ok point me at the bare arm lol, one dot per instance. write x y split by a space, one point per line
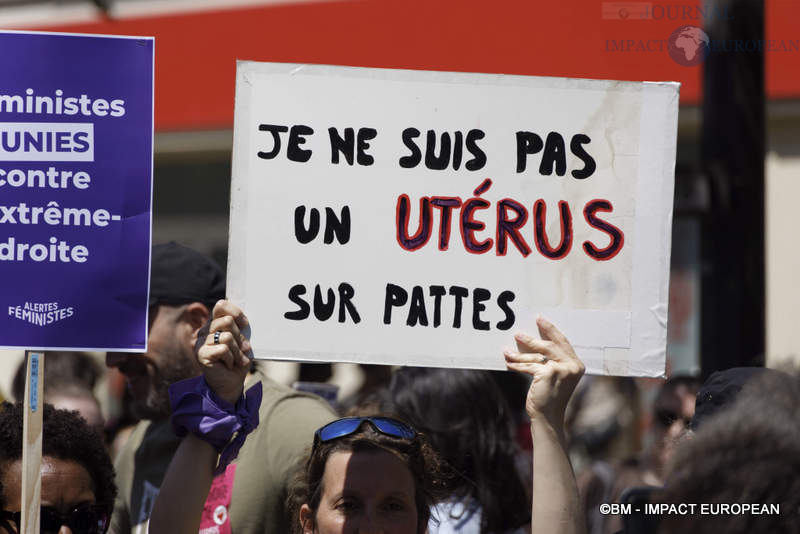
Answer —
179 505
555 369
180 501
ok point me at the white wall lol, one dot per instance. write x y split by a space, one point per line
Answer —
783 242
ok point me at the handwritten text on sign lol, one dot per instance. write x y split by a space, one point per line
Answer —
415 218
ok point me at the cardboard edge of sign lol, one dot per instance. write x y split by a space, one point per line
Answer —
249 68
83 349
67 34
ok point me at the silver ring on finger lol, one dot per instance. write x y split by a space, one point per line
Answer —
544 359
216 338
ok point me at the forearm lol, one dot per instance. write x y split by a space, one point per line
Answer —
180 501
555 505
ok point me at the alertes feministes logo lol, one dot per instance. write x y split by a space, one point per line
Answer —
40 313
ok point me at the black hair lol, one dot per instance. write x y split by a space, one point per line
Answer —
66 436
470 425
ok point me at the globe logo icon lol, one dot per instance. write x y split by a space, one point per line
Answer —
623 13
689 46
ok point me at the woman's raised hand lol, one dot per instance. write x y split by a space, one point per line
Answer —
554 366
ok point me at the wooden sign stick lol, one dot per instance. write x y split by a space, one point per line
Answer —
32 444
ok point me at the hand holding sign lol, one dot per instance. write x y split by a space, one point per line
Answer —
224 353
556 370
554 366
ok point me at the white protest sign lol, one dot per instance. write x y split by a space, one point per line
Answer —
421 218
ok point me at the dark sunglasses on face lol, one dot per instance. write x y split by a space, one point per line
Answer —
349 425
83 519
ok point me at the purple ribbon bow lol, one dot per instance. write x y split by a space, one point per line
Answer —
197 409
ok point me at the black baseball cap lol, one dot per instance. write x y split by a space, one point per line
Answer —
180 275
720 390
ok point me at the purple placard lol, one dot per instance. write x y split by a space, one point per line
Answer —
76 167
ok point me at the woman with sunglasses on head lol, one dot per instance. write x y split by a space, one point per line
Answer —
78 488
364 475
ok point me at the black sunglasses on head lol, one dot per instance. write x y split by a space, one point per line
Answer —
83 519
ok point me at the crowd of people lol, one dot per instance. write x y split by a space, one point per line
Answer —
221 448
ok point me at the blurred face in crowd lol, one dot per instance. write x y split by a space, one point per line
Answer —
674 410
81 401
170 357
65 485
363 493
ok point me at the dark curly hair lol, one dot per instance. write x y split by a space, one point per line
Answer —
417 454
65 436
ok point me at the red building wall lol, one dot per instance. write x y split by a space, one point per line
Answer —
196 53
